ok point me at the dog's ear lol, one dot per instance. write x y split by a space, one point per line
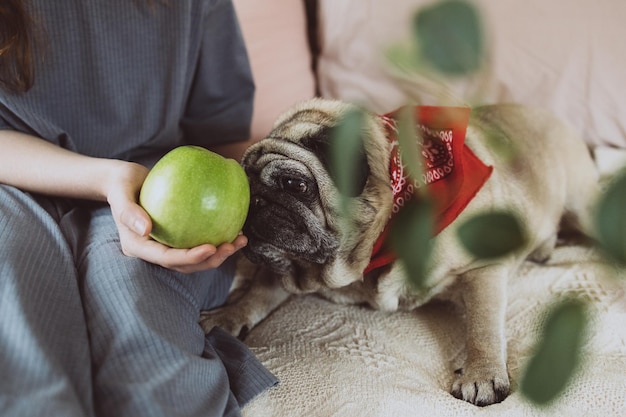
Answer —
320 144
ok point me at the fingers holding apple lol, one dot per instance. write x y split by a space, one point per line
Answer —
195 259
202 257
197 202
134 226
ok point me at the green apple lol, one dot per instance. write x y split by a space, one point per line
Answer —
195 196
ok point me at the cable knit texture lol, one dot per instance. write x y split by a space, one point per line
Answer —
352 361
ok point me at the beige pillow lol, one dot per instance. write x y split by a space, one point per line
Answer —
275 33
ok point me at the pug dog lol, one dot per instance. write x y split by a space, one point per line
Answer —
299 243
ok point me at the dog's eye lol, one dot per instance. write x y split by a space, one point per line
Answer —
294 185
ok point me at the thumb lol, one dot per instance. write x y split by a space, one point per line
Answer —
136 219
122 192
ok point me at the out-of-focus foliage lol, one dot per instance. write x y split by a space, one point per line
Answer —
557 355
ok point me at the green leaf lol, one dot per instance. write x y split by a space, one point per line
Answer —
491 235
346 149
450 38
611 220
411 233
558 353
409 149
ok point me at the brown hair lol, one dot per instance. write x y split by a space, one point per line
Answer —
21 42
17 33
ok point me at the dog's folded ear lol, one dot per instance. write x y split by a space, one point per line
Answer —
320 144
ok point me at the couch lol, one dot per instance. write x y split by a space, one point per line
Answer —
335 360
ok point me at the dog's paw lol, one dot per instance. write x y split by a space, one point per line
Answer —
481 387
232 322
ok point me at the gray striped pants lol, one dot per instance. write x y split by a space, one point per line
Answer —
85 330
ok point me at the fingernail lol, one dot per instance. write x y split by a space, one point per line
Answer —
140 227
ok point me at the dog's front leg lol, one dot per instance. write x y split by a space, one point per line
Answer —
256 295
484 379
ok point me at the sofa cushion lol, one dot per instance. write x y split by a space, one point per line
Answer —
275 33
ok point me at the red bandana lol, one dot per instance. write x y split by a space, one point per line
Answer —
452 173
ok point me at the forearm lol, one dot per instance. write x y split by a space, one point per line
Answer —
35 165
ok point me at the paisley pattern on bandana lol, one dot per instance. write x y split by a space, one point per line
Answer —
452 173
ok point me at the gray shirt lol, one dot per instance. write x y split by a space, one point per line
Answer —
121 79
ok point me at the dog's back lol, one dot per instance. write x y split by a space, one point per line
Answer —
547 166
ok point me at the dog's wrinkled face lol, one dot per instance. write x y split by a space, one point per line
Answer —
293 224
286 218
